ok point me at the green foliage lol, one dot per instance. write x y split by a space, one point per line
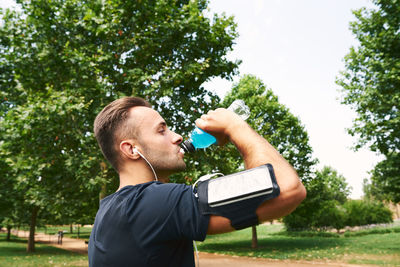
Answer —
61 62
41 138
385 230
6 198
371 192
322 207
371 86
362 212
386 178
331 214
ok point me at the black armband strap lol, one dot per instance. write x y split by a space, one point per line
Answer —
237 196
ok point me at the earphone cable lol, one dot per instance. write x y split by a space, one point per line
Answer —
155 175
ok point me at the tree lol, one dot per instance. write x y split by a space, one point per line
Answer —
371 87
322 207
42 166
386 179
273 121
371 192
62 61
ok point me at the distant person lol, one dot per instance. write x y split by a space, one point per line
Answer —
153 223
60 237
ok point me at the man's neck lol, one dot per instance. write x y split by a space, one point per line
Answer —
133 175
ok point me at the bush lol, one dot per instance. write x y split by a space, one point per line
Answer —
308 234
363 212
372 231
299 220
331 214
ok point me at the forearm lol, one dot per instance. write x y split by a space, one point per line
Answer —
257 151
254 149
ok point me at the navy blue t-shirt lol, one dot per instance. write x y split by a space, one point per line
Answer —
151 224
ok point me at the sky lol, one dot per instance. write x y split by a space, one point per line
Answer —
296 47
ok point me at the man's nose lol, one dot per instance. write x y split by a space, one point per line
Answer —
177 138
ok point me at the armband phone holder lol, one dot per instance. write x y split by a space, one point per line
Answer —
237 196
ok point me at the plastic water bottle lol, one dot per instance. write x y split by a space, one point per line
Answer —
200 139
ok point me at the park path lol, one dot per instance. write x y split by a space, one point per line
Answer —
71 244
206 259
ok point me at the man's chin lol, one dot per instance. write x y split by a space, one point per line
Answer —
180 168
175 169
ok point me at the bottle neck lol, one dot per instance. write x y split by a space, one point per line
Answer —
188 146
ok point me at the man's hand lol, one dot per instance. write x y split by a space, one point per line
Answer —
221 123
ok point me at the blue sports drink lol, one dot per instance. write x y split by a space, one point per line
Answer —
198 139
201 139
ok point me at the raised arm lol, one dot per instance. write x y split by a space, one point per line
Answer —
255 150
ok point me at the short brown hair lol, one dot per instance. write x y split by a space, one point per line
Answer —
110 125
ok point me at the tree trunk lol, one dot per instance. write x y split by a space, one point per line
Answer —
103 190
254 240
78 230
70 228
31 239
8 232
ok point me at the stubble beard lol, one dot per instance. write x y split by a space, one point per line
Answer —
164 164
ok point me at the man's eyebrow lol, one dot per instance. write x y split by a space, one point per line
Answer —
162 124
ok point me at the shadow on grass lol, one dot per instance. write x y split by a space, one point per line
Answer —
283 244
14 240
17 247
43 251
81 236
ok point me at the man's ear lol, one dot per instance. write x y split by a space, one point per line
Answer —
127 149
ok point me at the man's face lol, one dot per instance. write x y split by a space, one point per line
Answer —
156 142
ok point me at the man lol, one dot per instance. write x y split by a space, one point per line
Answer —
153 223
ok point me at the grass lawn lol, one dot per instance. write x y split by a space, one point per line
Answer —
380 247
13 253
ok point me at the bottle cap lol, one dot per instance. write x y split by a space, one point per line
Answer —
188 146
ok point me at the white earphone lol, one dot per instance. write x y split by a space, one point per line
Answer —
135 150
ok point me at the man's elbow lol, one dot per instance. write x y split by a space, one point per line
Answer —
298 194
292 196
301 193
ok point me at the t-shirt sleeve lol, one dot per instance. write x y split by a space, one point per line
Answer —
169 212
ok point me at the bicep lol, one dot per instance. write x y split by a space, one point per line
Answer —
219 225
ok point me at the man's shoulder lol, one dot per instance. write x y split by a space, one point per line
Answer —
153 189
158 189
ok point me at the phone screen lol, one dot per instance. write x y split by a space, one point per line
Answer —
239 186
